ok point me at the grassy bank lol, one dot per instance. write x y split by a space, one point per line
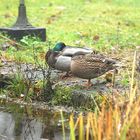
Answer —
80 22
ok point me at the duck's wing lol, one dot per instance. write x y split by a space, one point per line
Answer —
99 58
99 61
63 63
71 51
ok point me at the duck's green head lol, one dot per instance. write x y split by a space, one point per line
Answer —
59 46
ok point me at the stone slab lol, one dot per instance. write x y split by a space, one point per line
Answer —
19 33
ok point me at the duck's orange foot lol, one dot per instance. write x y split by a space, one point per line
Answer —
88 85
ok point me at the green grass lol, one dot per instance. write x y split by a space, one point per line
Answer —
110 26
105 25
114 23
77 22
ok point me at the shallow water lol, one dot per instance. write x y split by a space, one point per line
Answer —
19 122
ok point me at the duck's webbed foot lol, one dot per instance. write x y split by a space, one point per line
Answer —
88 84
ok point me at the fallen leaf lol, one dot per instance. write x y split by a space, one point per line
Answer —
96 37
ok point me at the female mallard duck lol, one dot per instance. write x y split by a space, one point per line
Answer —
69 50
90 66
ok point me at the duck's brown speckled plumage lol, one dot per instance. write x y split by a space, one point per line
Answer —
91 65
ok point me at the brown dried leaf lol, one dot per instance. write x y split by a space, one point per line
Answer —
96 37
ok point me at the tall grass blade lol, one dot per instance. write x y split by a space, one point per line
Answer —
81 127
88 126
133 74
72 130
63 125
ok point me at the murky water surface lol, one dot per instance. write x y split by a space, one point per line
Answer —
19 122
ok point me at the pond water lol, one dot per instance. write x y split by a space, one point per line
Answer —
18 122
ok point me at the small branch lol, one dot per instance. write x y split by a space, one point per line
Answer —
11 41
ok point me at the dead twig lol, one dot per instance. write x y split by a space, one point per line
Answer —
13 42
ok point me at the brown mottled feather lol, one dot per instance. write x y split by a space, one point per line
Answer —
91 65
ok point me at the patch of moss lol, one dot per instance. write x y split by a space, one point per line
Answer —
62 96
71 96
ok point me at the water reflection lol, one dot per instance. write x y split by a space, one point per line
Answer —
25 123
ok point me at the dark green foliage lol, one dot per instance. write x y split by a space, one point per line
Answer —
62 96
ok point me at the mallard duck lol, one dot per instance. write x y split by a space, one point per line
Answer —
69 50
90 66
60 56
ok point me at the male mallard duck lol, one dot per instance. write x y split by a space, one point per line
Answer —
90 66
69 50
